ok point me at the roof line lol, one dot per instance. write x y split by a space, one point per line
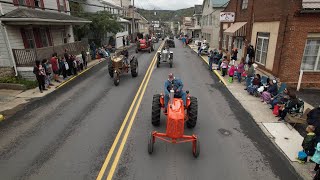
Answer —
43 20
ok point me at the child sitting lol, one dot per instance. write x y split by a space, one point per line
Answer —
308 143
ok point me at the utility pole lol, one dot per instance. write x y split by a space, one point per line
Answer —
133 24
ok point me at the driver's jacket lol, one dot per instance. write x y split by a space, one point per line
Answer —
175 84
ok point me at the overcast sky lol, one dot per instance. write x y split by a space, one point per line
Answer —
166 4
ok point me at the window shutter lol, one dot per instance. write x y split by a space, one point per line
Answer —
65 5
42 4
58 5
37 38
24 39
49 36
16 2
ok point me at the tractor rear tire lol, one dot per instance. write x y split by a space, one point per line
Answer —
110 68
134 67
156 110
192 112
195 148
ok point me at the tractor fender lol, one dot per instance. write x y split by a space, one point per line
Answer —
132 58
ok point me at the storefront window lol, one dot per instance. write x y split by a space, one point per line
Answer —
262 47
311 56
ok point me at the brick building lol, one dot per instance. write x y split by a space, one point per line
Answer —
285 35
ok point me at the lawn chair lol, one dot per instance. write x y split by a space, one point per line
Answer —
297 115
264 80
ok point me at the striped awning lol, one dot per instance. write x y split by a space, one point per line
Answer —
237 29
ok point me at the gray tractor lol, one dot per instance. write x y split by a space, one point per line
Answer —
165 56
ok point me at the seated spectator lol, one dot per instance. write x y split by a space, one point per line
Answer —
290 104
308 143
256 83
250 74
280 98
272 90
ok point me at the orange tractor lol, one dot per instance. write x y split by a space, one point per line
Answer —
177 117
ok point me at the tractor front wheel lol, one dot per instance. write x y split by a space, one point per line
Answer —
134 67
110 68
116 79
156 110
150 144
192 112
196 148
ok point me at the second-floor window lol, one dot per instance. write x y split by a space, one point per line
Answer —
245 4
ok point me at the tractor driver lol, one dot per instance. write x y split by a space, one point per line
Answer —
176 85
125 53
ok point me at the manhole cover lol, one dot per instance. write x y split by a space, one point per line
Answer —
225 132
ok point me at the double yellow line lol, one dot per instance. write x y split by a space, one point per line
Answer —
139 95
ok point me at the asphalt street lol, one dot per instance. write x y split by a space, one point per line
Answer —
67 134
70 133
232 145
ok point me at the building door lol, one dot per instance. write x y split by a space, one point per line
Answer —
239 46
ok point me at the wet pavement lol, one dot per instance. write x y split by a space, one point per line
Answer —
68 134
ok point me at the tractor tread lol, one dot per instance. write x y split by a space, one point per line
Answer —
156 110
192 112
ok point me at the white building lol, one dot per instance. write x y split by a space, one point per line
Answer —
113 7
31 30
210 26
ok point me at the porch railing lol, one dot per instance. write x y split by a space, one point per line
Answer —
27 57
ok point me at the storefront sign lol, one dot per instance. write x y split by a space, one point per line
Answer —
227 16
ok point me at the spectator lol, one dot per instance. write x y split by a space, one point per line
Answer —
69 61
211 59
280 98
74 65
64 67
256 83
234 54
55 67
313 118
227 54
250 54
184 40
217 57
250 74
224 66
240 70
84 58
123 41
40 73
48 73
285 108
271 91
93 50
308 143
231 73
316 157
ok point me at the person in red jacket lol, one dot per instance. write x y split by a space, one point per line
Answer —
55 67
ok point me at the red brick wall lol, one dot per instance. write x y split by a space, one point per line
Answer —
298 27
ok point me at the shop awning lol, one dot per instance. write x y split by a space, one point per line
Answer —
237 29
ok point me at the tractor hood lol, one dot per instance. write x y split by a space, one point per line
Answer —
176 110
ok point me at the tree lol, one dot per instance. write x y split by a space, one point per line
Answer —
102 23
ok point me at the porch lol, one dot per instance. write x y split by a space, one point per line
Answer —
27 57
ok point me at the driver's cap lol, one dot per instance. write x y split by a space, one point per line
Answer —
170 75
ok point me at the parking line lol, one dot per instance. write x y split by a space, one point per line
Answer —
116 160
110 153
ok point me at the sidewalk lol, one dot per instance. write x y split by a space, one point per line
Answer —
283 135
12 99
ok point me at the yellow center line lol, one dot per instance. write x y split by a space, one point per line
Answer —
107 160
116 160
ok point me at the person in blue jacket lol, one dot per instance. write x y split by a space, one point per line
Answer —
176 85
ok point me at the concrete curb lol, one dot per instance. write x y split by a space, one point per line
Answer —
215 71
